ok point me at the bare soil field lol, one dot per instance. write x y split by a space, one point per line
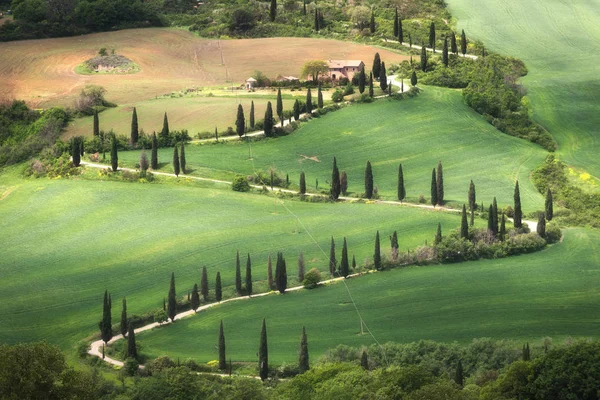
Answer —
42 72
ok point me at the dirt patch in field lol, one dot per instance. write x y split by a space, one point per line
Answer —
313 158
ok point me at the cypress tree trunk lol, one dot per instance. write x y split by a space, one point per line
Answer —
434 199
175 161
432 36
251 115
383 83
453 46
280 106
281 274
273 10
541 226
218 288
438 234
302 183
413 79
502 233
335 181
134 128
332 259
131 346
195 298
238 274
172 299
240 121
345 263
114 156
440 184
464 226
303 364
400 32
459 375
154 157
301 267
263 353
423 59
248 276
268 122
364 360
96 124
204 283
549 206
463 43
222 359
377 254
368 181
165 130
270 273
296 110
372 23
396 27
371 89
309 106
182 161
472 197
319 97
123 325
401 189
445 52
518 212
376 65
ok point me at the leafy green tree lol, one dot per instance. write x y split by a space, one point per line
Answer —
335 181
240 121
502 231
134 128
332 259
154 157
459 374
434 192
423 58
432 36
143 164
301 267
362 80
176 168
248 276
440 184
238 274
394 245
472 197
518 213
377 254
364 360
218 288
222 359
281 274
195 303
372 23
438 235
549 206
165 129
114 155
400 32
345 263
172 299
383 83
376 65
96 123
273 10
401 188
453 46
319 97
131 346
541 226
251 115
296 110
182 161
204 284
463 43
270 282
123 325
445 52
309 105
371 89
314 69
302 183
263 353
368 181
464 225
396 23
268 122
105 325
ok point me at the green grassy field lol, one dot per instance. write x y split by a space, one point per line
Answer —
559 42
554 293
417 133
66 241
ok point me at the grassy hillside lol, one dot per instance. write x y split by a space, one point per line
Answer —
561 49
417 133
554 293
66 241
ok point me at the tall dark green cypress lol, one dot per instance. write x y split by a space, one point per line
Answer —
279 106
273 10
96 124
154 157
131 346
251 115
491 220
541 226
218 288
438 234
464 224
364 360
123 325
263 353
432 36
238 274
453 46
222 359
362 80
332 259
182 161
165 130
377 254
135 134
296 110
75 151
319 97
195 303
400 32
303 364
440 184
383 83
434 192
394 245
368 181
335 181
413 78
495 216
240 121
204 283
172 299
176 168
302 183
401 188
518 212
281 274
472 197
106 322
445 52
317 24
114 155
549 206
372 22
248 276
423 59
301 267
345 263
376 65
396 23
371 88
463 43
502 231
268 122
304 7
459 374
309 104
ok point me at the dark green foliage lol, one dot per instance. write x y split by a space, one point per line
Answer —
164 133
343 182
270 282
309 104
296 110
176 167
304 7
526 353
218 288
317 22
332 258
154 157
131 346
319 97
438 234
364 360
362 80
335 181
303 364
301 267
195 301
459 374
518 213
400 32
248 276
263 353
302 183
134 128
440 184
541 226
463 43
273 10
172 299
368 181
372 23
491 220
464 225
445 52
222 359
396 23
251 116
345 263
281 274
204 284
96 124
268 121
377 254
376 65
394 245
182 161
472 197
549 206
453 46
123 325
238 274
495 216
434 190
75 150
114 155
143 164
353 263
371 89
240 121
432 36
279 108
413 78
423 59
383 83
502 230
105 324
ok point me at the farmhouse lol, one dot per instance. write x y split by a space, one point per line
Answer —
339 69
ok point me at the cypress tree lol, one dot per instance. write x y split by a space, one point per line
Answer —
222 359
240 121
335 181
438 234
279 106
281 274
459 375
541 226
106 322
172 299
472 221
472 197
396 23
371 89
216 135
401 189
453 47
445 52
75 151
238 274
154 157
270 282
377 254
304 7
301 267
195 298
526 353
372 24
96 123
368 181
400 32
123 325
176 161
309 105
319 97
353 263
362 80
463 43
114 155
495 216
248 276
518 212
549 206
491 220
482 52
464 226
317 27
296 110
182 161
440 184
364 360
423 58
273 10
345 263
343 182
413 79
134 128
332 259
218 288
303 353
394 245
164 304
302 183
204 284
434 192
410 45
131 346
502 232
268 122
432 36
165 130
383 83
263 353
376 65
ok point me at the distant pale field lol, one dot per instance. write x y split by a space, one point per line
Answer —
41 72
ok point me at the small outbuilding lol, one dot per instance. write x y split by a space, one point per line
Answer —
251 83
